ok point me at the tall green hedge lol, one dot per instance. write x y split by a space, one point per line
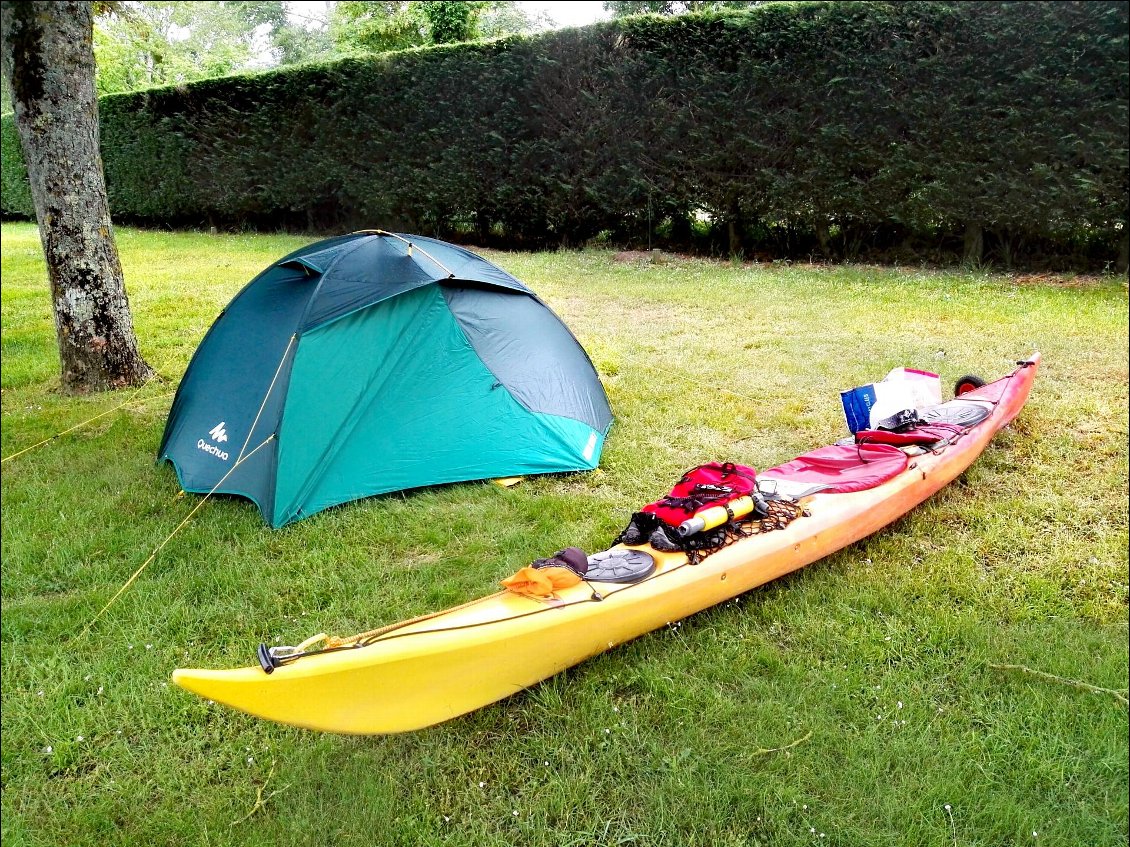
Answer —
792 129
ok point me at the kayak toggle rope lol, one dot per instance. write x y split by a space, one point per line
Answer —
336 642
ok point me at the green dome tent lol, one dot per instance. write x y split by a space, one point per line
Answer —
375 362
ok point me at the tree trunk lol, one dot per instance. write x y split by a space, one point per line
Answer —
682 233
974 243
1123 263
823 236
48 60
734 227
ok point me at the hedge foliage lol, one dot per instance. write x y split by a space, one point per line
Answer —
790 129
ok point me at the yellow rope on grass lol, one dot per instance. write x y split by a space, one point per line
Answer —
260 798
169 538
239 460
1074 683
84 423
764 751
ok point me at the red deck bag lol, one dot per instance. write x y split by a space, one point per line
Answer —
843 468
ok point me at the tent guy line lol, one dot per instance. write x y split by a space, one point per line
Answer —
240 459
133 577
128 402
266 397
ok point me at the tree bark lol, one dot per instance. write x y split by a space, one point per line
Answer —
974 243
734 227
823 237
48 59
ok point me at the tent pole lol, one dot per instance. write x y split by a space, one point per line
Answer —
450 273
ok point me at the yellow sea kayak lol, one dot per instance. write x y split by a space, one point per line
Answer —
422 672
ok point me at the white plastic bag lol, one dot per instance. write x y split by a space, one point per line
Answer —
925 387
902 388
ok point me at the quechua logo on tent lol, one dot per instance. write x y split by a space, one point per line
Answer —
219 435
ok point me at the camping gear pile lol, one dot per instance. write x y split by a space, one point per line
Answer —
568 607
709 507
376 362
901 389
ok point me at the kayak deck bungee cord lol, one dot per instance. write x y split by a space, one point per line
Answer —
563 610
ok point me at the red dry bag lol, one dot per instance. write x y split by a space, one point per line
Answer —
709 485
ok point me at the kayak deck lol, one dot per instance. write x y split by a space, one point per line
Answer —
432 669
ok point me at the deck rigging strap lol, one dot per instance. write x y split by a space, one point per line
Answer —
269 658
781 511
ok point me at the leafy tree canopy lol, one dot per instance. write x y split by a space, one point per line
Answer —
142 44
449 22
623 8
372 26
161 42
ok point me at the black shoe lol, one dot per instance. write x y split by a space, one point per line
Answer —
661 540
633 535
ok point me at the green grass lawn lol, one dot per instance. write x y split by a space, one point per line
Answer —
854 702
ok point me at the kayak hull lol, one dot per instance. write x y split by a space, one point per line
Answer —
432 670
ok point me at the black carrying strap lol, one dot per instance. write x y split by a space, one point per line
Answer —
705 493
725 468
698 498
902 421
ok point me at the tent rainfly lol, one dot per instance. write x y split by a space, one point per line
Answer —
376 362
